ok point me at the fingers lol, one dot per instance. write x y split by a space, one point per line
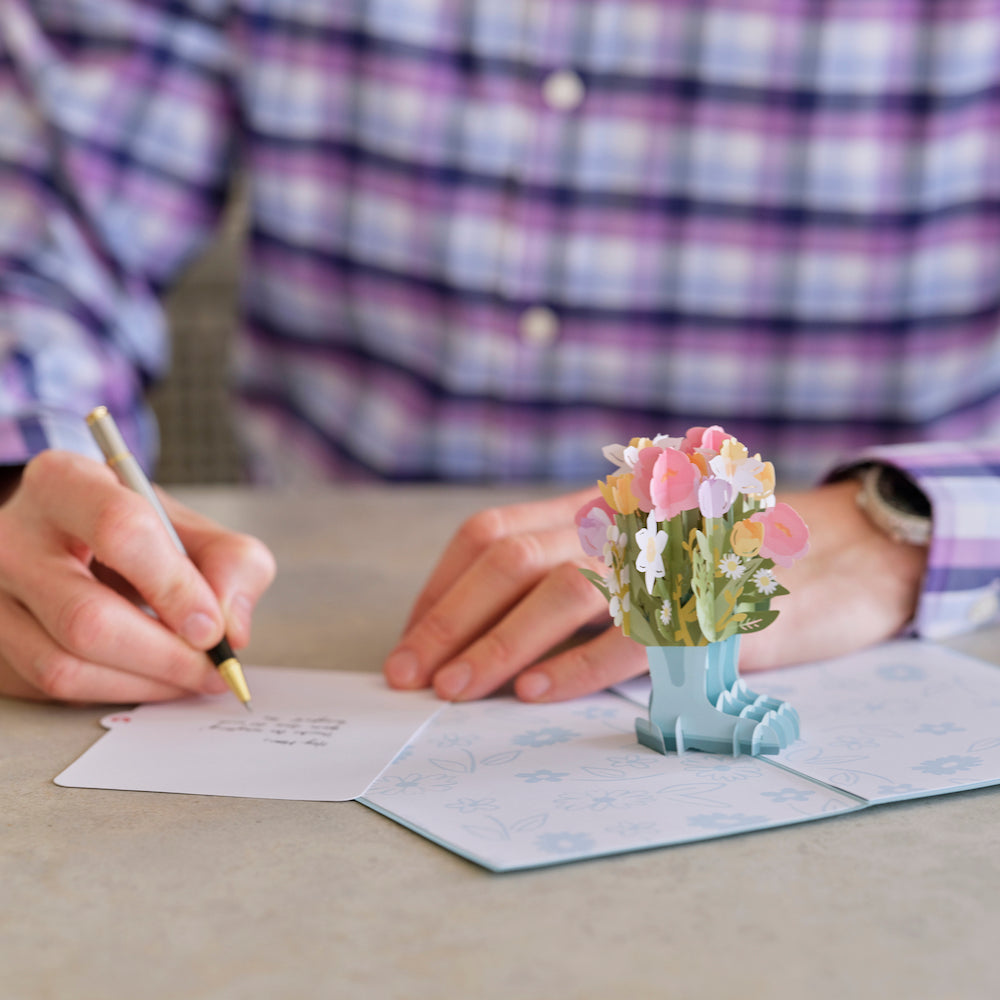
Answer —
500 579
81 499
88 622
76 550
506 592
608 659
561 602
33 666
485 529
238 567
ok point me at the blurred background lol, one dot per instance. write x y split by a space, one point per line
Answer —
192 406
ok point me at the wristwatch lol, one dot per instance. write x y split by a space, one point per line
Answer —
894 503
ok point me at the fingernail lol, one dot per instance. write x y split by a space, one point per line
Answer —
531 687
199 630
451 681
401 669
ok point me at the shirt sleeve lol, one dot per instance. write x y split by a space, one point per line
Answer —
115 155
961 589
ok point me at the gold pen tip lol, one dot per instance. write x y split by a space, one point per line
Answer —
232 674
248 706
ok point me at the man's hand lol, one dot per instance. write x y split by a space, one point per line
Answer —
855 587
508 593
83 560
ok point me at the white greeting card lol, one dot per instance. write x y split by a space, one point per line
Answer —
317 735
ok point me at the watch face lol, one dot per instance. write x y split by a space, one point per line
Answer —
900 492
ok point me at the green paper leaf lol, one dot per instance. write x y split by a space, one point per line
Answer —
598 581
757 620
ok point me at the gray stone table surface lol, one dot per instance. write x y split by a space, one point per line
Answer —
110 895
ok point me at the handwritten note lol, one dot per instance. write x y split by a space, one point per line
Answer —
296 731
318 735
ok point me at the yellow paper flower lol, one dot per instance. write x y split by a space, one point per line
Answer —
733 451
765 477
617 493
746 538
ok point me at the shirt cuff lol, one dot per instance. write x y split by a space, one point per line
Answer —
24 434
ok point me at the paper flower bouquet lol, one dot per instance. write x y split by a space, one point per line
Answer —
690 533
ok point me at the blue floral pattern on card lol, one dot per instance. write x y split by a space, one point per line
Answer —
511 785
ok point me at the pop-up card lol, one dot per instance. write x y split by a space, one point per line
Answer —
690 532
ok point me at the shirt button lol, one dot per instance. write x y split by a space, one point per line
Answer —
539 326
563 90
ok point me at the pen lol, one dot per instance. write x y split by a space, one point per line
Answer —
125 466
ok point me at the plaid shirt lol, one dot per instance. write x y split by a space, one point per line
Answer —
489 236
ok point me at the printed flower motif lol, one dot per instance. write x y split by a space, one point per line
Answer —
666 613
940 728
465 806
901 672
904 789
412 784
564 843
746 538
789 795
674 484
602 801
724 769
617 492
542 774
544 737
948 765
765 581
651 544
731 565
715 497
593 520
786 537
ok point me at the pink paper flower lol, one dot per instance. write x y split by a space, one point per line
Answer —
786 537
643 474
692 439
592 522
674 484
708 438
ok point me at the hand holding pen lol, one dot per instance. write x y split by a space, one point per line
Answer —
83 559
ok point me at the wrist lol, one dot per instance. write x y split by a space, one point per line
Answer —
894 503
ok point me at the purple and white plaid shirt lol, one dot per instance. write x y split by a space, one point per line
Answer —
488 237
